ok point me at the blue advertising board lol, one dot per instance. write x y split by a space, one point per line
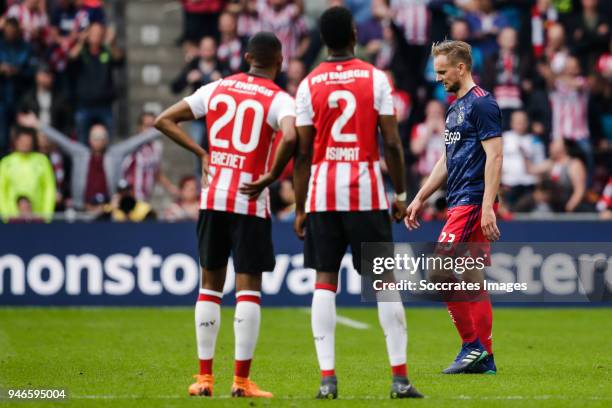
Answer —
155 264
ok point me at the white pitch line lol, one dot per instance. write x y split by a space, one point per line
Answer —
346 321
378 398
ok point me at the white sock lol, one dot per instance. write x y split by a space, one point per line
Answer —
393 322
246 323
324 326
207 322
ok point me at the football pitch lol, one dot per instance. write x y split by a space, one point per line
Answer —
144 357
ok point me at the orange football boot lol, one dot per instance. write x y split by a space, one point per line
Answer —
203 386
243 387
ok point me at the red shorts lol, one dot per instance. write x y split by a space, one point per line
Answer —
463 226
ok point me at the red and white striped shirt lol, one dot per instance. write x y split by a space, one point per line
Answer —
287 23
32 22
569 112
342 100
243 112
414 18
140 169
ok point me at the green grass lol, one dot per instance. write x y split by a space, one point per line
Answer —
133 357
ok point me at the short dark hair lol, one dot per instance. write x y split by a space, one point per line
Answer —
264 47
13 22
19 131
337 27
24 130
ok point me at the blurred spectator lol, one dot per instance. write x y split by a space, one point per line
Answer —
49 104
231 46
25 212
32 18
296 71
543 15
59 168
63 22
604 205
516 181
411 24
89 12
604 63
201 70
401 102
503 73
93 60
62 36
285 19
188 205
427 141
143 168
600 105
567 174
285 205
556 51
485 24
589 32
16 74
200 19
26 173
360 9
96 168
247 17
124 207
569 102
370 31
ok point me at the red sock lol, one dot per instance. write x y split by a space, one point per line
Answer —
328 373
482 313
206 366
242 368
399 370
461 314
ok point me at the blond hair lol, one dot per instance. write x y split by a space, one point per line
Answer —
456 51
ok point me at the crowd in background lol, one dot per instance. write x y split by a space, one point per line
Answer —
547 62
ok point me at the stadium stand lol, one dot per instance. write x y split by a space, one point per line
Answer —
72 64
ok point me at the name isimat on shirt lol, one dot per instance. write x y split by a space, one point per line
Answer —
342 153
245 86
339 76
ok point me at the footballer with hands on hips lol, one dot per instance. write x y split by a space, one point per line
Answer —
243 113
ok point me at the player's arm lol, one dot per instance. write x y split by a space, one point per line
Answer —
301 175
394 157
436 178
303 158
284 152
167 123
493 166
392 144
486 117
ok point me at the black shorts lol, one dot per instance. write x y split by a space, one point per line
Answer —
329 233
248 238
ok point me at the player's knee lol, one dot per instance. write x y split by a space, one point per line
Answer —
213 279
247 281
330 278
